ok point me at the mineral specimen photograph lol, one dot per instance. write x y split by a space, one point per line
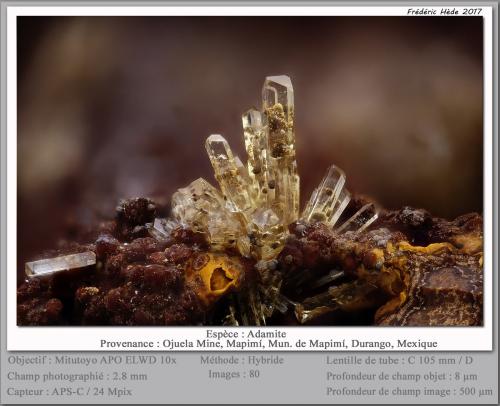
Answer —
250 171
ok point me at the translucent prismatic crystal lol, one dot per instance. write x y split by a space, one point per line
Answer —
162 228
265 193
228 173
278 121
335 297
329 200
361 220
256 144
45 267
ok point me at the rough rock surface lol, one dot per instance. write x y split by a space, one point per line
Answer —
410 268
407 269
137 281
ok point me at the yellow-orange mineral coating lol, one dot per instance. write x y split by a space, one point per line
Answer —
213 275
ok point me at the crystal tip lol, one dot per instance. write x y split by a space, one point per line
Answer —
215 138
283 80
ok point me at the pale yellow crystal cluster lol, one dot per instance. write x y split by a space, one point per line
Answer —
258 201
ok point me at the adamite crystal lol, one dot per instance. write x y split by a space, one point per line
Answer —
229 174
255 144
278 106
259 200
62 263
202 208
328 198
361 220
265 193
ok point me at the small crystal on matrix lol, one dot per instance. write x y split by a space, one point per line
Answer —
329 200
45 267
162 228
360 220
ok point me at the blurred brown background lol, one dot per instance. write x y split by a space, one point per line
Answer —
119 107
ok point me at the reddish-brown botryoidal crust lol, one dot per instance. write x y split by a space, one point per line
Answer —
138 280
411 268
387 279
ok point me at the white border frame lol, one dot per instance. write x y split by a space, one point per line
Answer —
88 338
